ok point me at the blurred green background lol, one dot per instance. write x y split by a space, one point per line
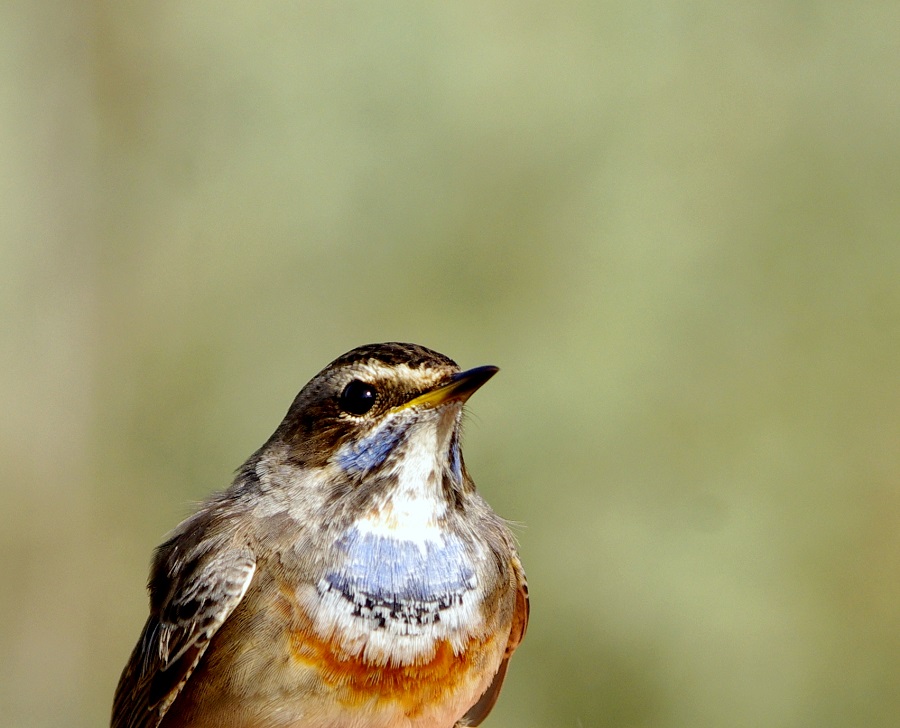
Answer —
673 225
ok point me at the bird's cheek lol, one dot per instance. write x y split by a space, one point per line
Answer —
362 455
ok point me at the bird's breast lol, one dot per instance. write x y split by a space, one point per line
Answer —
392 594
396 624
401 583
402 578
444 677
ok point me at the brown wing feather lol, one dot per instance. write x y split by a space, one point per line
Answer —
478 712
196 582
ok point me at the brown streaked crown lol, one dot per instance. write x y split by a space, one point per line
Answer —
393 353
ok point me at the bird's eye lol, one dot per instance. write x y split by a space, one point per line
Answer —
357 397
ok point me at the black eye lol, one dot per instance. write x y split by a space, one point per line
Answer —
357 397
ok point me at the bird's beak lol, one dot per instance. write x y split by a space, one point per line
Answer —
460 387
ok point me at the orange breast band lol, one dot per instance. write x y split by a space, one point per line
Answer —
412 686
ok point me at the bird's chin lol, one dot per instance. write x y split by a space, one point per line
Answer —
445 418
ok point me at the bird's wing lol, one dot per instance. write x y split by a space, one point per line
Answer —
480 710
194 587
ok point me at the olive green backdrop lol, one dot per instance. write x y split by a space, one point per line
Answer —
673 225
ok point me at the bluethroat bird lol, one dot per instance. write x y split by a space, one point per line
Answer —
350 577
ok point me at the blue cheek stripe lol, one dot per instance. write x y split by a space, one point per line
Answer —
456 457
371 451
389 570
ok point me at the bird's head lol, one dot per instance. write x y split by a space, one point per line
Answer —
380 410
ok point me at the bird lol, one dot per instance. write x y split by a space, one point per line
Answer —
351 576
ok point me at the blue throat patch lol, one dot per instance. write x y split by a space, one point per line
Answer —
371 451
395 578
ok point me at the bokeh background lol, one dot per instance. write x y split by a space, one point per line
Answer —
675 226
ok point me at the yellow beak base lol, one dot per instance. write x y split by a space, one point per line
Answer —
460 387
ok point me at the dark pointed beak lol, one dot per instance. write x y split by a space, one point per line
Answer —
459 388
